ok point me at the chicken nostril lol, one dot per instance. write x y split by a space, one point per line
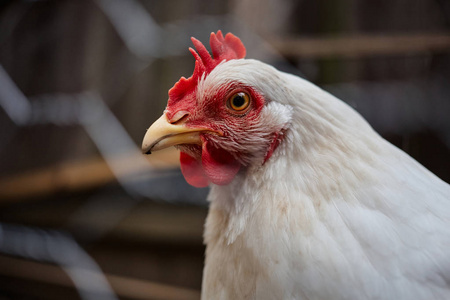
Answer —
179 117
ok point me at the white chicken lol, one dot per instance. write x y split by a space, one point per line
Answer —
307 200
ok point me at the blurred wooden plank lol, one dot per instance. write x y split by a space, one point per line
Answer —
81 175
129 288
163 223
362 45
146 222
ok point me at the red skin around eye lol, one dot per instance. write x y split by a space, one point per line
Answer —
216 165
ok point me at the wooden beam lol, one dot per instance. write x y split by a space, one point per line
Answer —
129 288
148 222
362 45
82 175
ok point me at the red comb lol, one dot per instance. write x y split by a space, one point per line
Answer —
223 48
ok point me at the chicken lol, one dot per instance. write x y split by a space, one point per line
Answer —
307 201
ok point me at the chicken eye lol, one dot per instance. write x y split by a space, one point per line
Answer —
239 101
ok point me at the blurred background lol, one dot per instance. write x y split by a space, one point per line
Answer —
83 214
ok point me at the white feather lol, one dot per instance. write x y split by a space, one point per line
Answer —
336 213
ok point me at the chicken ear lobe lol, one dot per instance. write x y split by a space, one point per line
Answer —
219 165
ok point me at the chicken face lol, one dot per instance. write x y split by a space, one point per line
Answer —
220 123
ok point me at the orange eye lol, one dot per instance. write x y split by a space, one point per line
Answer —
239 101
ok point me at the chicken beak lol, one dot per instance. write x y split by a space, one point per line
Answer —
162 134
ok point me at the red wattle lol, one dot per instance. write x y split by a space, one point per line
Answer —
192 171
219 166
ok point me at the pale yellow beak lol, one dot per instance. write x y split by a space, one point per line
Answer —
163 134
